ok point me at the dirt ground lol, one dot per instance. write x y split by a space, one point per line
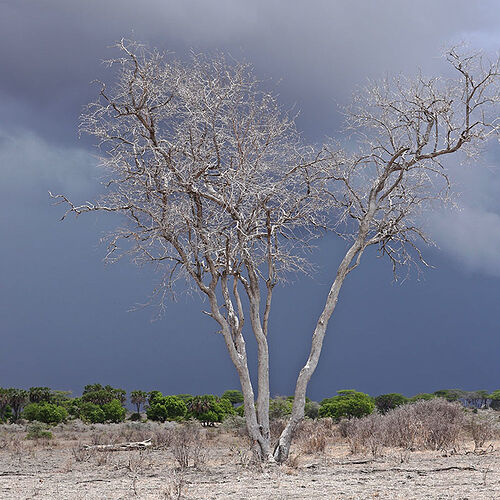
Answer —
224 468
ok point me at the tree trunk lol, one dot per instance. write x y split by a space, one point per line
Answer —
282 448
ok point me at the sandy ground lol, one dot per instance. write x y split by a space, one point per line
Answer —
60 469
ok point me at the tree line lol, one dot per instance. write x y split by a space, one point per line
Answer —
100 404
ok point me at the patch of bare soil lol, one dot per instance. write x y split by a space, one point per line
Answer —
220 466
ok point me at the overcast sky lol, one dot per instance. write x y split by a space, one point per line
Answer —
64 316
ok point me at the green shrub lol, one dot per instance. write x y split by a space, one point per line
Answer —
92 413
495 400
99 395
153 396
185 397
280 407
423 396
114 411
209 409
38 431
40 395
162 408
73 406
386 402
347 404
240 410
136 417
235 396
311 409
450 394
47 413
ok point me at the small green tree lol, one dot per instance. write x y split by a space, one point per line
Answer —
39 394
280 407
495 400
38 430
98 398
209 409
233 395
60 398
92 413
163 408
138 398
45 412
99 395
347 404
423 396
450 394
114 411
185 397
154 396
386 402
17 401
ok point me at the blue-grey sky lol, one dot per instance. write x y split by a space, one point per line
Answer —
64 316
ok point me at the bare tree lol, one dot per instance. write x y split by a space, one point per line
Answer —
404 128
217 187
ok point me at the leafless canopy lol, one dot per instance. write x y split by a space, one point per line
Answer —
211 175
214 181
217 186
402 129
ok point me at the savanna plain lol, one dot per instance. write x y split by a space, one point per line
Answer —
403 456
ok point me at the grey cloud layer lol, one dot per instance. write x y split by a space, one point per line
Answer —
321 49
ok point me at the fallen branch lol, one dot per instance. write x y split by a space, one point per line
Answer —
420 471
138 445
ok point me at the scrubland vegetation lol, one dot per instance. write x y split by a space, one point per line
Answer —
187 446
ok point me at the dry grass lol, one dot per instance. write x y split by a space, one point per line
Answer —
405 453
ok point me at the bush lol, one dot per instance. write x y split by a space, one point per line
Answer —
92 413
434 424
386 402
47 413
311 409
480 427
279 407
153 396
450 394
495 400
423 396
40 394
162 408
135 417
99 395
347 404
38 431
114 411
209 409
367 433
235 396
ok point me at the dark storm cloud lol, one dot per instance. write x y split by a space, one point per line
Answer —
51 50
55 296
